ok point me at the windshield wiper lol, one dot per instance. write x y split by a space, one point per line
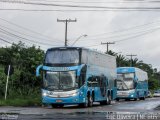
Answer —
50 87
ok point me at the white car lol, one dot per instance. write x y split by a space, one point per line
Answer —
149 94
156 93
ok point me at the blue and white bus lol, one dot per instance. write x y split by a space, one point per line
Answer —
132 83
75 75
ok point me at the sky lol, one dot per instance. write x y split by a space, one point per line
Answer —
134 31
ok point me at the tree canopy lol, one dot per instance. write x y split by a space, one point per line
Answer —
24 60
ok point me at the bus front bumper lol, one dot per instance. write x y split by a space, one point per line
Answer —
126 95
66 100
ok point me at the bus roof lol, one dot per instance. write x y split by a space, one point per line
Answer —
82 48
65 48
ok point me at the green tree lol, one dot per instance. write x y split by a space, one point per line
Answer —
25 60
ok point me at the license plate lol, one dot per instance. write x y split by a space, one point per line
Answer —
58 101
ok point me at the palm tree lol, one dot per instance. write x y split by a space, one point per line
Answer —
121 60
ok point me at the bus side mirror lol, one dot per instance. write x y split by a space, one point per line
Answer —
38 70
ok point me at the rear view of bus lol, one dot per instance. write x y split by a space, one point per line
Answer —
132 83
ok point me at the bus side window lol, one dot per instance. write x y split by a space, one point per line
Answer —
83 75
99 84
90 81
95 82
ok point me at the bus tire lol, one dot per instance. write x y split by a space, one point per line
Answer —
108 100
87 102
90 101
117 99
127 99
135 99
142 98
103 103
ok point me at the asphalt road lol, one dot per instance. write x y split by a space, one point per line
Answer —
122 110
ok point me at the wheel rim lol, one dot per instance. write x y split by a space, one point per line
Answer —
86 102
90 101
107 100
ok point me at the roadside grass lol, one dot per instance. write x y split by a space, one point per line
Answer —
25 101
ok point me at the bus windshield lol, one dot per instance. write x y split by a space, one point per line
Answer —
60 81
60 56
125 81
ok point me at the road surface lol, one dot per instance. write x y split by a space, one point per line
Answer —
122 110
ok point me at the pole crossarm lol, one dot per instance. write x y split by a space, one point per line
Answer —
66 21
131 55
107 43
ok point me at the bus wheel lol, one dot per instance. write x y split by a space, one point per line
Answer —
142 98
117 99
135 99
86 104
108 99
103 102
127 99
90 101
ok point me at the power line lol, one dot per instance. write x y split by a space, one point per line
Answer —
22 38
82 10
24 33
129 38
148 32
123 35
126 29
5 40
40 34
95 1
82 6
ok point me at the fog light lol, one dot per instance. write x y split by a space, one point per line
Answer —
132 95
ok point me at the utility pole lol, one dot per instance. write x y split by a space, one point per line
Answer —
107 43
66 28
131 55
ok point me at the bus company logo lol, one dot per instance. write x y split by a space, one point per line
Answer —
59 69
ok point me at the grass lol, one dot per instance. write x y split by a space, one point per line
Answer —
21 101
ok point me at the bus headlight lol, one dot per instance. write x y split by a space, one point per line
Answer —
44 93
74 94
